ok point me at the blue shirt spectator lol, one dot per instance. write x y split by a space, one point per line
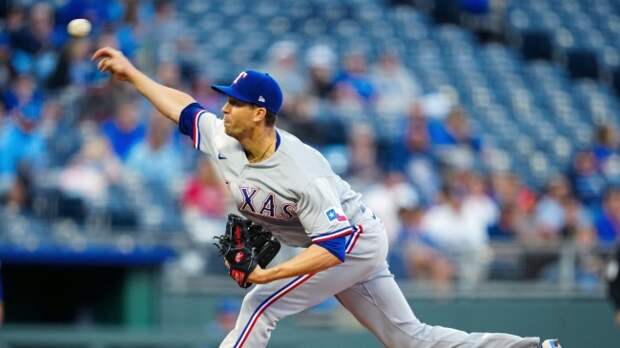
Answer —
587 181
155 159
21 141
456 131
608 222
414 157
605 142
356 76
125 130
23 92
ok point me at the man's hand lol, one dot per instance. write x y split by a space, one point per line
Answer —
244 246
114 62
258 275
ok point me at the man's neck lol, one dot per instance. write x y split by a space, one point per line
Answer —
260 144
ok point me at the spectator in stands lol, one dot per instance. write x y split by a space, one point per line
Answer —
30 30
355 77
416 159
38 39
459 231
605 142
456 132
162 34
517 204
283 65
507 189
130 29
586 178
73 67
15 23
479 201
606 149
423 258
577 221
363 169
320 60
125 129
506 226
62 136
550 215
23 91
608 221
21 142
205 201
353 90
386 198
579 228
395 85
91 172
155 160
99 13
18 199
310 115
456 144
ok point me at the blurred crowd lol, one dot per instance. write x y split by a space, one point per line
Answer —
75 146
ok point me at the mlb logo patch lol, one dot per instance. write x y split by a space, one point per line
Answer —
335 215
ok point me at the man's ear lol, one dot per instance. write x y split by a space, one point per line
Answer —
260 114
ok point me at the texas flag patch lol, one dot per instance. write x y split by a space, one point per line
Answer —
335 215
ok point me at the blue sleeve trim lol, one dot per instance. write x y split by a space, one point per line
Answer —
342 232
335 246
186 120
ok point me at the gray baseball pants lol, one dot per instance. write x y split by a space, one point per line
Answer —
365 287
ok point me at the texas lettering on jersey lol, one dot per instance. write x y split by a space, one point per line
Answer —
258 202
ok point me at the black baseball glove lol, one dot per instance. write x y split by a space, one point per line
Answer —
244 245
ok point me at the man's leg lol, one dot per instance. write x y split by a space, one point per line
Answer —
262 307
381 307
266 304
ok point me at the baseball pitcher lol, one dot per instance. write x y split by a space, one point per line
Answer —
289 189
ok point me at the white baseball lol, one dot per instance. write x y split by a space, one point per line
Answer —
79 27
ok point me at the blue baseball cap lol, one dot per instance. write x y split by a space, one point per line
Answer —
256 88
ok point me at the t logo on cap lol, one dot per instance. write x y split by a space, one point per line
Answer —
255 88
240 76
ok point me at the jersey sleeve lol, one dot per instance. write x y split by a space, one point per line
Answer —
201 126
322 216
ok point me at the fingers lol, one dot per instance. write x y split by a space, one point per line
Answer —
103 65
107 65
102 52
107 52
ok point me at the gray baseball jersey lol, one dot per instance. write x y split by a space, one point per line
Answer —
295 194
